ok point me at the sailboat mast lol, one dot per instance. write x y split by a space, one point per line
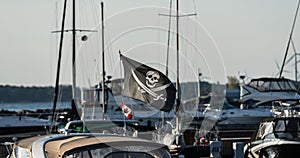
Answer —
56 91
177 50
73 56
177 68
103 64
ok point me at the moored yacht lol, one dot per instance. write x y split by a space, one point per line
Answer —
275 137
262 92
87 145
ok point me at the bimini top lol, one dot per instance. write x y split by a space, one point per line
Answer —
90 145
272 84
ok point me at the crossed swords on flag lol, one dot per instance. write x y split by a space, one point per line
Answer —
152 90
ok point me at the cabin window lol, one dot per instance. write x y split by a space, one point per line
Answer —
125 151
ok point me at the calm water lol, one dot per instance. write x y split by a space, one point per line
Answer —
33 106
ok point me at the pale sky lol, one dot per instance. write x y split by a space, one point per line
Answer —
228 37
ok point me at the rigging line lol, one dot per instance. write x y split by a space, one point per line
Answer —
108 56
168 44
195 8
84 16
288 44
86 20
80 12
296 63
108 49
158 35
108 46
185 47
95 12
294 48
55 41
196 32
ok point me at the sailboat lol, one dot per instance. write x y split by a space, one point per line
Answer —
145 83
87 106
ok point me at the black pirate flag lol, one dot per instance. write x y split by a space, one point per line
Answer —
148 85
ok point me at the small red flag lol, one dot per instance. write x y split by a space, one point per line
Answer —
126 110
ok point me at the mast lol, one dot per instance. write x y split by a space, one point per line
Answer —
177 50
103 64
73 102
58 66
73 54
73 73
177 72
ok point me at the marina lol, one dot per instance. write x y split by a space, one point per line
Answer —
136 89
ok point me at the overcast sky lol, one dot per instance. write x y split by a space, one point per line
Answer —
225 38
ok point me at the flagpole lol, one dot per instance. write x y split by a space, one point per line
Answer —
122 99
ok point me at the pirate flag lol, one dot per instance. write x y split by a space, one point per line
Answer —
148 85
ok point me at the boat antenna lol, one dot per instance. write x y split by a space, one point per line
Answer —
289 41
58 67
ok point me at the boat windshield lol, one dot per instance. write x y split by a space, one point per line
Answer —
266 85
282 129
120 152
287 129
291 125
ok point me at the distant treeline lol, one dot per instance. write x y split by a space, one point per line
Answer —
9 94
